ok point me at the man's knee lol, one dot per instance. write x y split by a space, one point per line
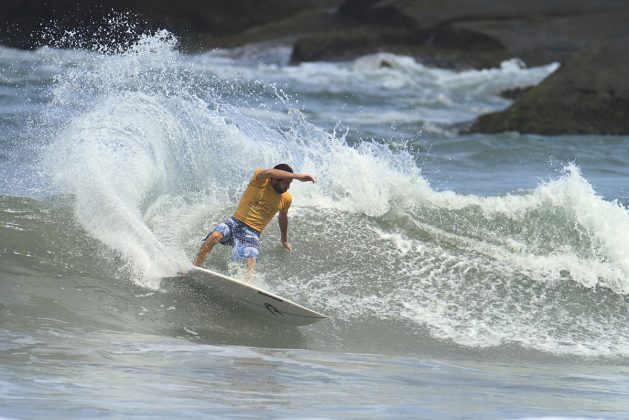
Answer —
213 238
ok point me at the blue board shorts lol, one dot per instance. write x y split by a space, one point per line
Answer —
244 240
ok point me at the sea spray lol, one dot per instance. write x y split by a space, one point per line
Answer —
156 150
115 154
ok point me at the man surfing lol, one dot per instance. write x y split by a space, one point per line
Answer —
266 194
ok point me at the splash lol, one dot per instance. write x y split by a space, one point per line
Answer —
119 144
146 135
157 147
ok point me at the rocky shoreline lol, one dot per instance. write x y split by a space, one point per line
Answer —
588 94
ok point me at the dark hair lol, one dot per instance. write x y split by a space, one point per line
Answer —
283 167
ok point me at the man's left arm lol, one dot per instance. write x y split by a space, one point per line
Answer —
283 221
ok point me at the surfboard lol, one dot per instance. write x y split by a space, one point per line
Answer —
253 297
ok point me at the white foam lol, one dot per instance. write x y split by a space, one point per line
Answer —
137 146
154 162
394 72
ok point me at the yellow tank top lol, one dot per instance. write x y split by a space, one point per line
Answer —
260 202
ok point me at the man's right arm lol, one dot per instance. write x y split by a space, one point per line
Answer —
279 174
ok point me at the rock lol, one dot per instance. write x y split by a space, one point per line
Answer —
285 31
386 31
351 44
588 94
22 20
515 93
351 41
476 33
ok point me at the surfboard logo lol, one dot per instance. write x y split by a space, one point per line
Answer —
272 309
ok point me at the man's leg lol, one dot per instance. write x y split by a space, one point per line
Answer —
212 239
250 264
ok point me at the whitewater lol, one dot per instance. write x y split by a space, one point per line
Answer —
476 276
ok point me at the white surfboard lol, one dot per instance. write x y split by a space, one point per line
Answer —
255 298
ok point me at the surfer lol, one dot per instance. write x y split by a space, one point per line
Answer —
266 194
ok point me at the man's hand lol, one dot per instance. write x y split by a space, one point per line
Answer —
305 178
287 245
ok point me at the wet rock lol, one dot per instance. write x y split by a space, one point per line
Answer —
536 31
515 93
22 21
588 94
475 33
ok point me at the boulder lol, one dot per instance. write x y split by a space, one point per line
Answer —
23 21
588 94
477 33
355 39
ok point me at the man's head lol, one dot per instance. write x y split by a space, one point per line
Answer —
282 185
283 167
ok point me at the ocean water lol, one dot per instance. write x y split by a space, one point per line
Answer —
464 276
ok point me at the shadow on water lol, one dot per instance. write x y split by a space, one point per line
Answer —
215 319
52 269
